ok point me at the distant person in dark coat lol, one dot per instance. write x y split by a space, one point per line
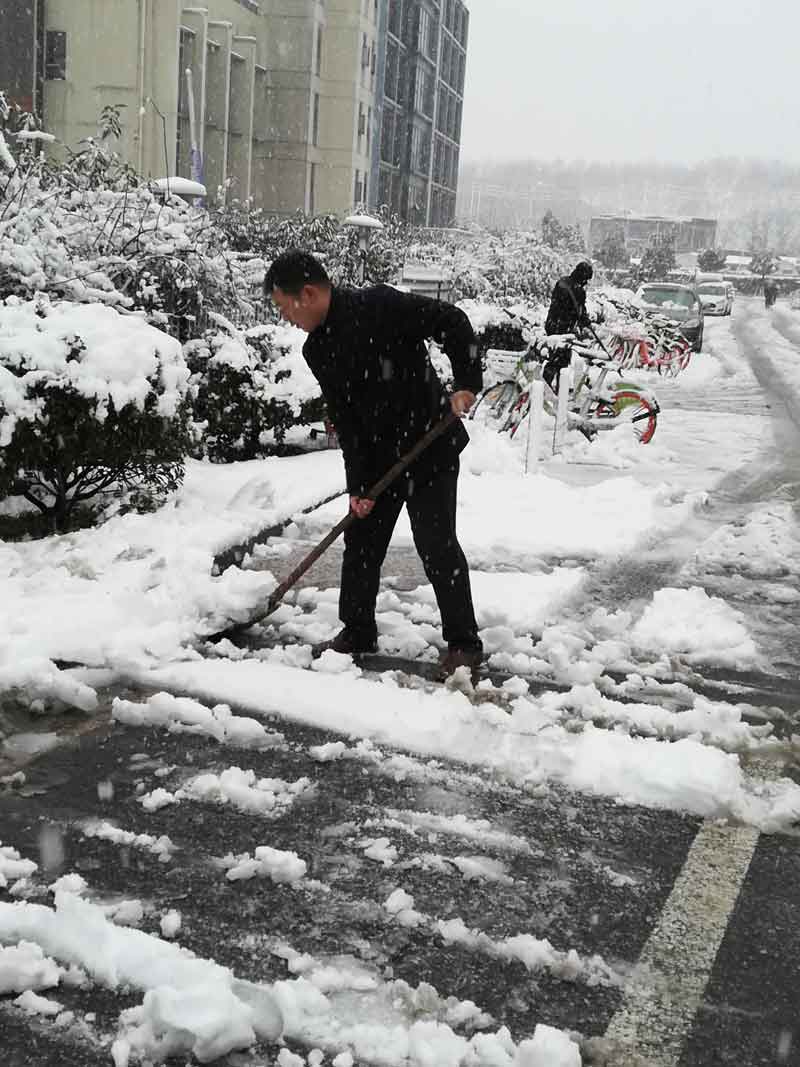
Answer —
566 315
770 292
366 348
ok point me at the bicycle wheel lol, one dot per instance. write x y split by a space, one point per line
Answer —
495 405
632 407
517 413
676 359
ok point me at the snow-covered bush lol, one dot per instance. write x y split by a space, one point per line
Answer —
88 229
500 327
503 269
252 231
91 401
248 388
611 305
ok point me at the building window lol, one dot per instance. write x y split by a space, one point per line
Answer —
387 135
395 17
55 64
318 57
362 122
423 91
425 41
391 75
420 149
399 147
312 182
315 120
364 51
357 196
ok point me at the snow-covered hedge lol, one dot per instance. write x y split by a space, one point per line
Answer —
252 232
90 400
90 231
248 388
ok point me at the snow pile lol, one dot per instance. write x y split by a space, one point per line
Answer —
765 545
245 792
91 349
183 715
158 846
13 866
140 588
190 1005
548 1048
690 623
41 680
510 517
279 866
25 967
528 743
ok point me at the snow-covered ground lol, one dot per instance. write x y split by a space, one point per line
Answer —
137 595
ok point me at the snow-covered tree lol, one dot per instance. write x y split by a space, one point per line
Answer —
764 263
711 260
560 236
659 256
612 252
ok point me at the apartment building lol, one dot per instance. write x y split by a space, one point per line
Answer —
345 105
312 105
283 92
423 100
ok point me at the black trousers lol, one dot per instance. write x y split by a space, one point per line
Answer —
432 511
554 364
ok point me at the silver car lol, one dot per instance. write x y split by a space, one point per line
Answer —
680 303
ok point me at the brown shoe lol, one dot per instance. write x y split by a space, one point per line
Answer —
454 658
349 643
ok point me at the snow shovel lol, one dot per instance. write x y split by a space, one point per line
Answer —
390 476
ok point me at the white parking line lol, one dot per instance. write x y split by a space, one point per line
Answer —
654 1021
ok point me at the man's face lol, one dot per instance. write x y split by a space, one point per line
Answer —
301 309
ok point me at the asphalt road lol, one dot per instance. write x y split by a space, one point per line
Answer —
697 924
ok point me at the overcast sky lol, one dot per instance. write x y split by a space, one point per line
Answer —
667 80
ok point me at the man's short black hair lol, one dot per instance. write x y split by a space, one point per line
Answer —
292 270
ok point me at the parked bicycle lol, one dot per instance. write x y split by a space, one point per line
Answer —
655 344
595 403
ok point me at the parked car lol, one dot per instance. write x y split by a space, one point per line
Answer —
680 303
716 297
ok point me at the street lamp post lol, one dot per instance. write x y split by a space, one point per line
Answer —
364 224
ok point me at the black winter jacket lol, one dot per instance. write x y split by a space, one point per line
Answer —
567 307
382 394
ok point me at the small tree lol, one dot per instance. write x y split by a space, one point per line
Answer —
612 253
659 256
90 402
763 263
711 260
559 236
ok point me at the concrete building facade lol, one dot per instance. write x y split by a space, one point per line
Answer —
283 92
423 99
312 105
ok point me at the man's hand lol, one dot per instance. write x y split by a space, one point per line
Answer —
461 402
361 506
